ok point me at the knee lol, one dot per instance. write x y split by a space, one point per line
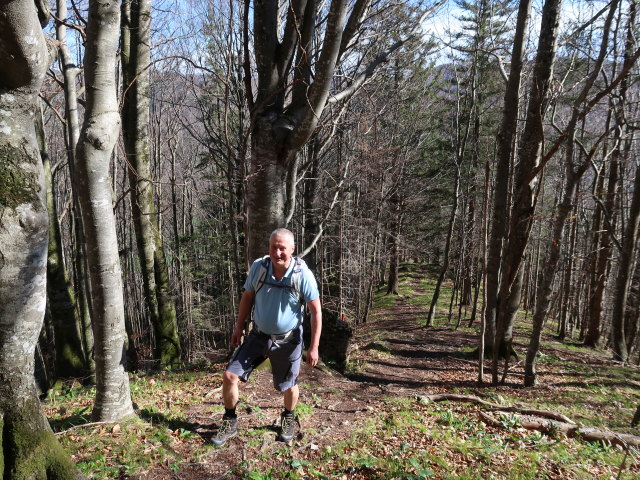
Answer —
229 378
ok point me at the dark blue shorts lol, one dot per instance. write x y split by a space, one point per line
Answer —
285 357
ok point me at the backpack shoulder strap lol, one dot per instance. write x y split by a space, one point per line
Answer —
296 277
262 274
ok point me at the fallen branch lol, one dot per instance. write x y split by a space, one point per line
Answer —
541 420
213 392
494 406
443 397
539 413
590 434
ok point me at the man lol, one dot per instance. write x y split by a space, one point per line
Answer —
277 288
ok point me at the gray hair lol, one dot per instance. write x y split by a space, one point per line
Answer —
283 232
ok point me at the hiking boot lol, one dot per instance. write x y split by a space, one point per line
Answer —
227 430
287 427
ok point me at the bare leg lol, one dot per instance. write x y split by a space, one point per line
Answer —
291 397
230 389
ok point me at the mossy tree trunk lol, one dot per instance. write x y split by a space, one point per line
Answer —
95 147
136 58
70 358
29 449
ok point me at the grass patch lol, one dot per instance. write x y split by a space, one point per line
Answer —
124 448
441 441
402 439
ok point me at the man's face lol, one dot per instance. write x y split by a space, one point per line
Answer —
280 250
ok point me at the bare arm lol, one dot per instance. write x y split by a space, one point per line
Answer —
246 303
316 329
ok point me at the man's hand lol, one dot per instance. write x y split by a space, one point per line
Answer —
236 337
312 356
246 303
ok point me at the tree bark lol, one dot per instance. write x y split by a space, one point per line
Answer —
136 58
285 115
70 358
97 140
312 203
525 188
29 448
604 250
574 174
623 280
630 235
632 321
394 242
70 72
506 141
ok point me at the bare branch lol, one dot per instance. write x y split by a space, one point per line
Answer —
383 57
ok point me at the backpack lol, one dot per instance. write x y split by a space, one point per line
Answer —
296 276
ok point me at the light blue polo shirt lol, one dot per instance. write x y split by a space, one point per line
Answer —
276 308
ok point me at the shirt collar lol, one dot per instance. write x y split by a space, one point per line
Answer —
287 273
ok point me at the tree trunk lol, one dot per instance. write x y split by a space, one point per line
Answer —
506 140
630 234
603 251
394 242
97 140
632 321
136 58
447 249
72 128
546 282
266 193
29 449
312 203
70 359
625 270
285 113
526 182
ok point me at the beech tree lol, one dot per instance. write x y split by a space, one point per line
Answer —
98 136
81 316
29 447
70 359
630 238
136 58
292 90
505 143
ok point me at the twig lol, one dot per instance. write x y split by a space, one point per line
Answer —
85 425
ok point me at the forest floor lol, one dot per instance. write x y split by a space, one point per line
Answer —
374 421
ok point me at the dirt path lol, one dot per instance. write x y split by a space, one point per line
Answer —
397 351
397 357
392 356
